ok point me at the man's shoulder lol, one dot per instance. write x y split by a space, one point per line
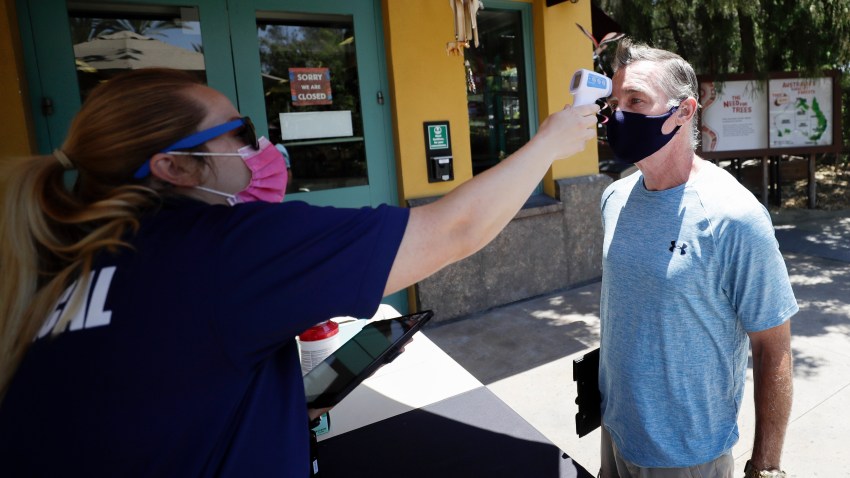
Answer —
730 206
724 195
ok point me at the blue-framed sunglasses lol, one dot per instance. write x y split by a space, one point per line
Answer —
247 134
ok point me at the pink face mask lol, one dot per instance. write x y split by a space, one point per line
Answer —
268 175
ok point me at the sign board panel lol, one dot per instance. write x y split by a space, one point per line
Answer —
733 116
784 114
800 112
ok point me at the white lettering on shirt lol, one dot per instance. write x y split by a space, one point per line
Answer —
92 311
96 315
57 312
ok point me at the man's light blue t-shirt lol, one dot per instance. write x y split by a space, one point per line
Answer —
687 272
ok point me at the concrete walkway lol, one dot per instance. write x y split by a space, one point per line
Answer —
523 352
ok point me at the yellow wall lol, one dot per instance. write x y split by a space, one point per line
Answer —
560 49
16 135
425 85
428 85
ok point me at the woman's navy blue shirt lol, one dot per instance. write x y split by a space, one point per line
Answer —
183 361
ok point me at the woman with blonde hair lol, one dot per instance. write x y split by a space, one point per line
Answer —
148 312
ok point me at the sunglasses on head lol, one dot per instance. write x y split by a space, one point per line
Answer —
246 133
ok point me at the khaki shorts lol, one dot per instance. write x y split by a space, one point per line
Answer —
614 466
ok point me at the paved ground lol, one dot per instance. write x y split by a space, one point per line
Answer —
523 352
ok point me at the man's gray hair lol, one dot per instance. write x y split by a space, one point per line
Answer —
676 76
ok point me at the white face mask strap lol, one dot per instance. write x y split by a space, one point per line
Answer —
231 199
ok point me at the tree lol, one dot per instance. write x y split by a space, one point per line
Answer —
742 36
720 37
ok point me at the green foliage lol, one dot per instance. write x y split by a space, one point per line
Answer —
720 37
742 36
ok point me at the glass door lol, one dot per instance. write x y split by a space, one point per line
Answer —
502 112
312 75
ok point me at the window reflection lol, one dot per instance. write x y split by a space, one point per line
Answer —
309 72
110 39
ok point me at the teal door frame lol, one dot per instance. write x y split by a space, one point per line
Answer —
365 14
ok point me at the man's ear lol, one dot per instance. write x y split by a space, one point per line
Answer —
175 169
687 109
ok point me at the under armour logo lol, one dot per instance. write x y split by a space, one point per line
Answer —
681 248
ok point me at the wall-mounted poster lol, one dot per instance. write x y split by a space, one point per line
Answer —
733 116
800 112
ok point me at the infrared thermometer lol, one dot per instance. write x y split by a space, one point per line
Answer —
588 86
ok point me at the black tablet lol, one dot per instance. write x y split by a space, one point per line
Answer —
378 343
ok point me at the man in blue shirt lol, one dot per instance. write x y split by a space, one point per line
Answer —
692 275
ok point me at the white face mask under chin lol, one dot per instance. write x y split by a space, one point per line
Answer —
231 198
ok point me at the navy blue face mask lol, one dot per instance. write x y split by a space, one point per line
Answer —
634 136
